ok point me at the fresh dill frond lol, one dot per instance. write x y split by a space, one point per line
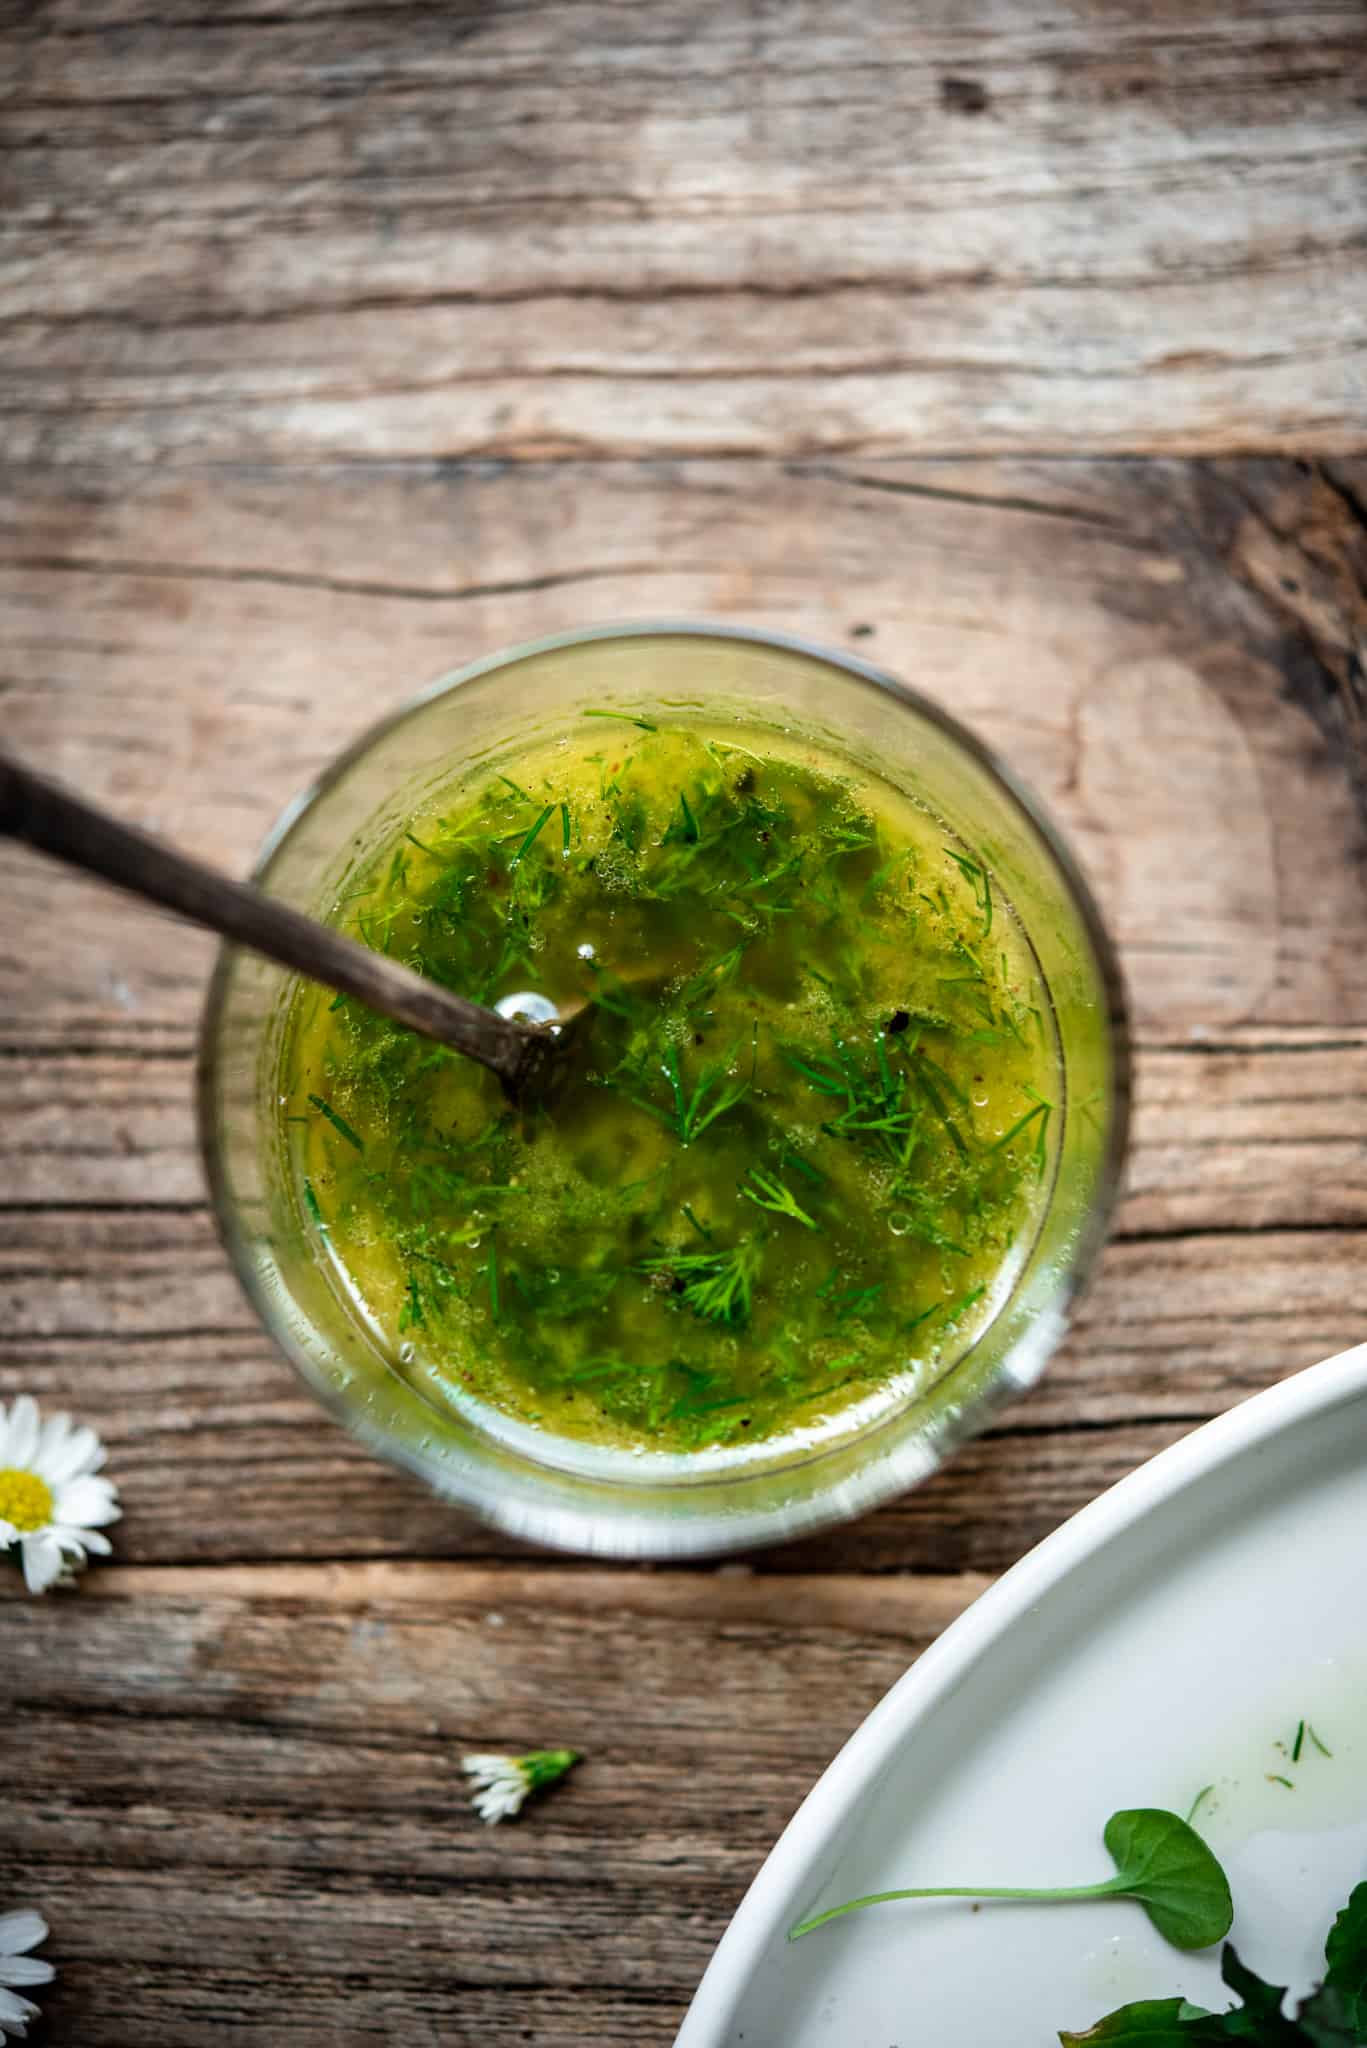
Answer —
718 1285
856 1301
929 1076
707 980
683 831
1038 1114
768 1192
804 1167
527 844
981 883
339 1123
952 1311
694 1109
412 1315
627 718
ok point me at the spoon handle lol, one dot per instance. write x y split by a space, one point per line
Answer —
48 818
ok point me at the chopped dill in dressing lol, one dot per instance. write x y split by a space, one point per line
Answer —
807 1134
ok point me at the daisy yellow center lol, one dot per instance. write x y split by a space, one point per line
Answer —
25 1499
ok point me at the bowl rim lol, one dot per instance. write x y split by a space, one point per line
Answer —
1248 1429
751 1527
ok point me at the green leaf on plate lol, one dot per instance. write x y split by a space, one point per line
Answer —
1152 2023
1177 1879
1346 1954
1161 1862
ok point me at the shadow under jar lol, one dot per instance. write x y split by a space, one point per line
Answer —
835 1158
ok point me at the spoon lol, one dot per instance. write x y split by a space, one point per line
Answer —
41 815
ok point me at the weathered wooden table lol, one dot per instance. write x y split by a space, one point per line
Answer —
1023 348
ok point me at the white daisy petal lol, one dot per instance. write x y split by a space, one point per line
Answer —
85 1503
78 1453
501 1784
52 1436
66 1459
15 2011
23 1432
19 1931
25 1970
42 1560
50 1455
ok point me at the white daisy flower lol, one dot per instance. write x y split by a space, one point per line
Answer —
503 1782
18 1932
51 1502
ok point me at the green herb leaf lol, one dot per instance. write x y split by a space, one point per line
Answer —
1175 1876
1346 1954
683 831
981 883
1335 2016
1326 2021
339 1123
627 718
1160 1862
693 1110
714 1285
530 840
1152 2023
412 1315
766 1192
1261 2018
311 1203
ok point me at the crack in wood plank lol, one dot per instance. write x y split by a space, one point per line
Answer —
348 586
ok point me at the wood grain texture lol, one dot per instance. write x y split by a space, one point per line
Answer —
194 649
240 1801
343 341
194 655
386 231
260 1811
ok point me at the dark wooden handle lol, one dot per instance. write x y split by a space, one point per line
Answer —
44 816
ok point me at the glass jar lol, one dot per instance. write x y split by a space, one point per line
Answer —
616 1504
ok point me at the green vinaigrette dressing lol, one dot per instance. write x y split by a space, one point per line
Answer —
805 1140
